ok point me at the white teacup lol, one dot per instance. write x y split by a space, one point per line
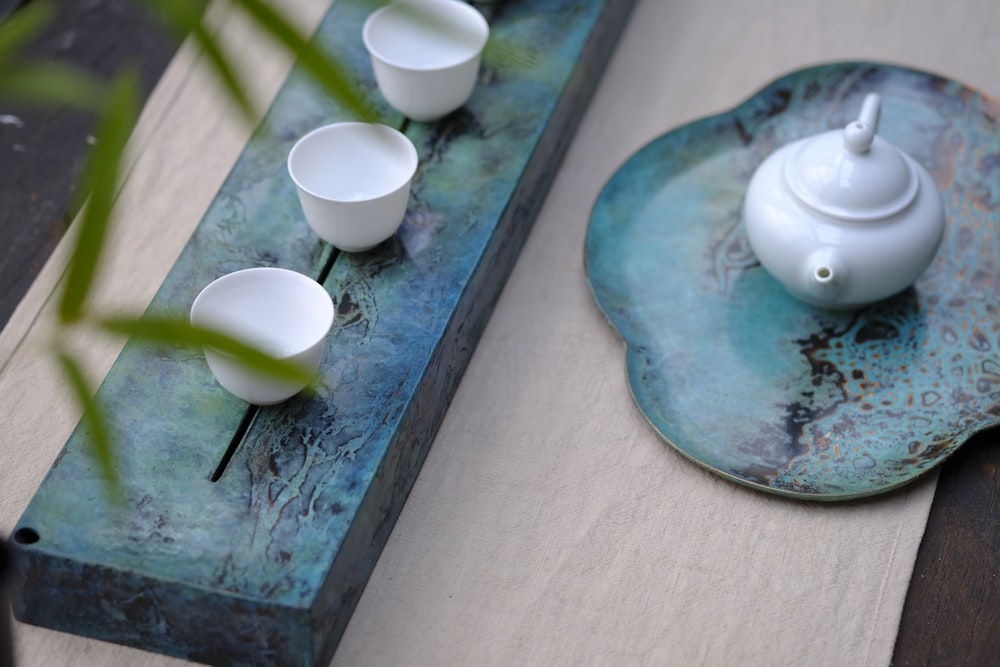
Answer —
283 313
425 54
353 181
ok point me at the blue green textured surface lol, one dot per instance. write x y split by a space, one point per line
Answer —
265 565
753 384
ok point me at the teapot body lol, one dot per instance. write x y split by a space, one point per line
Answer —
844 219
833 262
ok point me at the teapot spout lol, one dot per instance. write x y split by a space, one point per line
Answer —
824 277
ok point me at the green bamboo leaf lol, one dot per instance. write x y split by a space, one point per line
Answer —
327 71
100 182
45 83
224 71
185 17
502 53
174 331
17 29
94 418
178 16
53 84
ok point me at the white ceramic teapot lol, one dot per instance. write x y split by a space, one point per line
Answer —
844 218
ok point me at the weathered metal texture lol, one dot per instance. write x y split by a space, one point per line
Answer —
265 565
759 387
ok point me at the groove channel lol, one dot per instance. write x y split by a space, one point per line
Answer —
253 410
234 443
325 271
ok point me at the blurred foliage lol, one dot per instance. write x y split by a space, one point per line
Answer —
116 104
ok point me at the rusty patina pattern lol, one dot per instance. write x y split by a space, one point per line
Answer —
767 391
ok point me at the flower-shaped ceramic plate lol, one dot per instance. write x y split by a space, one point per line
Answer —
751 383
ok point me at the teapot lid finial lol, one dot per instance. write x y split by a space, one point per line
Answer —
859 134
852 174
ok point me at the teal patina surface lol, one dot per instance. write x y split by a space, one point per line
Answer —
261 560
759 387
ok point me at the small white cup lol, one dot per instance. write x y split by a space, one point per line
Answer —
425 54
283 313
353 181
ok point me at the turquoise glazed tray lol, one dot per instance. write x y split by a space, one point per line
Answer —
247 536
749 382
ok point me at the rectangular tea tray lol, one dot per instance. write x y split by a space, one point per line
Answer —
257 553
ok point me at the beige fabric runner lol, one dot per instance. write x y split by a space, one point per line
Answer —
549 525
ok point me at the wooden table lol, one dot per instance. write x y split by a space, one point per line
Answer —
952 610
44 148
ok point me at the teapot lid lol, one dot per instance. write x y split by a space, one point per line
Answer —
852 174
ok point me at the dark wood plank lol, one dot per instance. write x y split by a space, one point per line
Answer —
42 149
6 638
952 610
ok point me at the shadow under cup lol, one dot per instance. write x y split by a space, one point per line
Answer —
353 182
